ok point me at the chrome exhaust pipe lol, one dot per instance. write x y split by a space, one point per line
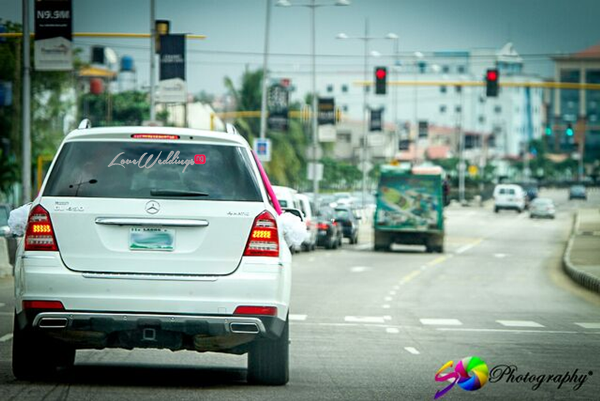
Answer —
53 323
244 328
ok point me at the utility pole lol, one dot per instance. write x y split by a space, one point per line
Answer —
263 100
152 59
315 123
461 166
365 150
26 98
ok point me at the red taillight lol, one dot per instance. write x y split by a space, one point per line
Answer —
43 305
256 310
264 238
40 234
154 136
322 226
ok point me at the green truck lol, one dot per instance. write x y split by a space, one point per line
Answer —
410 208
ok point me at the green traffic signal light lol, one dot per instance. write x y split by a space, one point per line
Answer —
548 131
569 131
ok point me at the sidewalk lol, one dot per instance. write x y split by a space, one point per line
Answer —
582 257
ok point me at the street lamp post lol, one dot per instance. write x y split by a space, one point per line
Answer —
313 5
364 154
152 60
263 100
418 56
396 39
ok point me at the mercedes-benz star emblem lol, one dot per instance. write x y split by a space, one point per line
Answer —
152 207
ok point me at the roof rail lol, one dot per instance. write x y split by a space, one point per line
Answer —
231 129
84 124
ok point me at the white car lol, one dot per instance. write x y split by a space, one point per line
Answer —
310 244
152 238
509 196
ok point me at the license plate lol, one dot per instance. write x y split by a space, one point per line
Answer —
151 239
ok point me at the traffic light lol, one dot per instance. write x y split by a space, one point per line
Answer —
380 80
570 131
491 79
548 131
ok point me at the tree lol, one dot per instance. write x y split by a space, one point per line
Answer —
128 108
288 165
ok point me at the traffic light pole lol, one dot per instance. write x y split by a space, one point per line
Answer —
263 99
152 60
26 99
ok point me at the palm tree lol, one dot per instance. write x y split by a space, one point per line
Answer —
288 162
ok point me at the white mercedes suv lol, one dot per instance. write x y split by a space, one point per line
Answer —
146 237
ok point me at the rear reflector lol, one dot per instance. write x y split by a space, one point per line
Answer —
43 305
322 226
40 234
154 136
256 310
264 237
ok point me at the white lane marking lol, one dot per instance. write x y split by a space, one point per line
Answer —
412 350
385 306
441 322
396 287
6 337
387 317
295 317
465 248
392 330
392 292
589 325
364 319
388 298
519 323
500 255
359 269
509 331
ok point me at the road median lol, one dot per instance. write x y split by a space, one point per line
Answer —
581 260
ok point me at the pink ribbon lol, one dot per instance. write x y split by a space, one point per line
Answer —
267 183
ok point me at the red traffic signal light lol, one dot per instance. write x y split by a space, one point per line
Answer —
492 75
380 80
491 79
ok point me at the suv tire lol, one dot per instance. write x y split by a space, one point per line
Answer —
268 360
36 357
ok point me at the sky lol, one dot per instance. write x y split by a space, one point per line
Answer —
235 31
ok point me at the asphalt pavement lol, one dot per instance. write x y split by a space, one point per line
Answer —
367 325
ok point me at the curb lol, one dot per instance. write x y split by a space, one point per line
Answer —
582 278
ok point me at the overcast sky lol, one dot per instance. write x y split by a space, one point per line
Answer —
536 27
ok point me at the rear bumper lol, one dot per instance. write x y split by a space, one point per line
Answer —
43 276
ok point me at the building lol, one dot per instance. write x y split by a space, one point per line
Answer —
578 109
497 128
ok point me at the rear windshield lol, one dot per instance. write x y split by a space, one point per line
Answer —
507 191
153 170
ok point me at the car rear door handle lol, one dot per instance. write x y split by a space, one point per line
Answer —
129 221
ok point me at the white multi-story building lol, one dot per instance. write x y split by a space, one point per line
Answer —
495 128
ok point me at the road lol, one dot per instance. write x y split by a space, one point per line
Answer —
369 325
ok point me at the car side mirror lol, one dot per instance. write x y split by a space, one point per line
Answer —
295 212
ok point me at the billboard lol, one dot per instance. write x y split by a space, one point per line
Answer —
53 35
172 86
278 99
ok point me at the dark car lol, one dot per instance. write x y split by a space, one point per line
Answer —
349 223
577 192
329 232
532 193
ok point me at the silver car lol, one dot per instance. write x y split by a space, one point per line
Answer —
542 207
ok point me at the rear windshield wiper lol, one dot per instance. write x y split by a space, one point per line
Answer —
175 192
